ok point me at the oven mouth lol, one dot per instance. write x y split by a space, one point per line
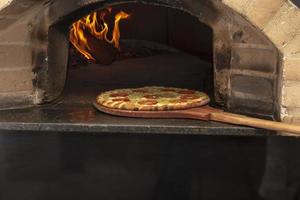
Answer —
237 64
166 53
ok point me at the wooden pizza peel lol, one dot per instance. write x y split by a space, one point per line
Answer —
206 113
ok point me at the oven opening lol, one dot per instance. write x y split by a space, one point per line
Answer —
136 45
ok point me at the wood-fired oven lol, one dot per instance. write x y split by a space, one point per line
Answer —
238 64
243 62
244 53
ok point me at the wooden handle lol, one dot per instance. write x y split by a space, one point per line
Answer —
254 122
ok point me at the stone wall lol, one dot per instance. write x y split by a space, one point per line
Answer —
15 55
17 75
280 21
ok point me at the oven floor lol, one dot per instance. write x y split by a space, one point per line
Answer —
74 112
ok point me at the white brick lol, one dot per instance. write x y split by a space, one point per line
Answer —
16 80
284 26
291 94
261 11
239 6
291 69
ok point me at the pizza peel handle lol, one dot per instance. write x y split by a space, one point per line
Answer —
254 122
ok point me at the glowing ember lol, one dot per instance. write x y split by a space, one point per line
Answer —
95 24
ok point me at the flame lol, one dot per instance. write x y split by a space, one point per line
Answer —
96 25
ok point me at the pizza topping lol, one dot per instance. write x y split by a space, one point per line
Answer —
168 95
119 94
178 100
168 90
148 102
124 99
187 92
189 96
118 103
140 90
151 96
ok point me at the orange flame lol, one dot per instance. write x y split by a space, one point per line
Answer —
95 24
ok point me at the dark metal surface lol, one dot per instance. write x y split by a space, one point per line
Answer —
47 166
74 111
86 119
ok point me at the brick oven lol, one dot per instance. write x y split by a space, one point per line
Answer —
254 50
244 53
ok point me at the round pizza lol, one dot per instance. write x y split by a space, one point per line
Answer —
152 99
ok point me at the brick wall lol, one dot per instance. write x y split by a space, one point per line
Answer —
279 20
16 76
16 72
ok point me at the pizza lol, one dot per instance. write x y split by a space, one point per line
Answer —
152 98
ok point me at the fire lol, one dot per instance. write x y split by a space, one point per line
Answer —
96 25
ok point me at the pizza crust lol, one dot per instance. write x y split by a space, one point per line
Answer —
152 98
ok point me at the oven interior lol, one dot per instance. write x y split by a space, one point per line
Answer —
159 46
